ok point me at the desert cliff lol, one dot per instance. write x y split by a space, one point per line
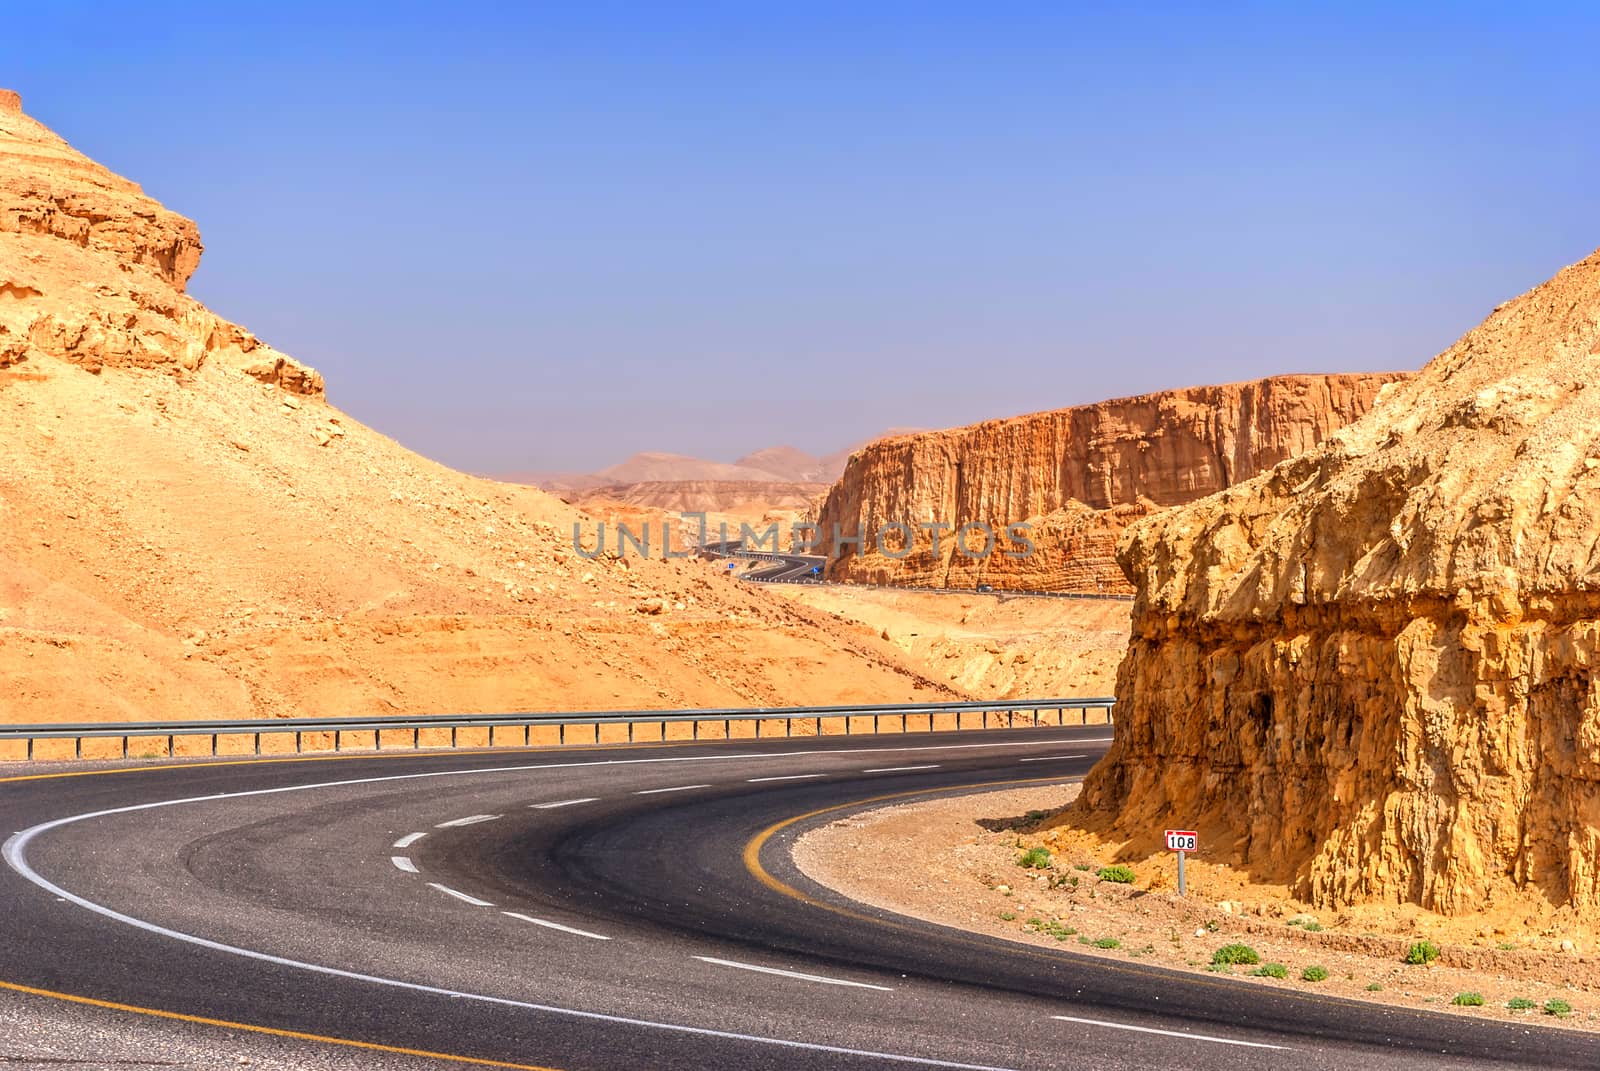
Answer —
1078 476
1370 673
189 529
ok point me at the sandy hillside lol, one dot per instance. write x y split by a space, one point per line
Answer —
189 528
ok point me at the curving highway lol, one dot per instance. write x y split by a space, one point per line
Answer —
607 908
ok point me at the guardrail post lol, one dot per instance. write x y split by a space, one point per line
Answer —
258 743
172 750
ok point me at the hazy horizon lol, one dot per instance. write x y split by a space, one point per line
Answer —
546 241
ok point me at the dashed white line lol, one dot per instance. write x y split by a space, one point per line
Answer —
409 839
402 863
471 819
793 974
901 769
14 852
1052 758
556 926
675 788
1169 1033
786 777
463 897
562 803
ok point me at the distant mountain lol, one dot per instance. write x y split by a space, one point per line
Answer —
651 467
772 465
790 464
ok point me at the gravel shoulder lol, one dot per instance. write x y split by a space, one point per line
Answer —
956 861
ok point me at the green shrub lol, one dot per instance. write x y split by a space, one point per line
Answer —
1423 951
1374 987
1121 873
1314 974
1108 942
1006 916
1271 970
1034 859
1521 1004
1467 1000
1083 866
1313 926
1235 953
1557 1006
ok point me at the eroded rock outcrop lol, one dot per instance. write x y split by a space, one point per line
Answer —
1078 476
93 272
1371 672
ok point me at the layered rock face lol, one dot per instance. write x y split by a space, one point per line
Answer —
94 271
1371 671
1077 476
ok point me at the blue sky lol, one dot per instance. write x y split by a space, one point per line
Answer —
545 239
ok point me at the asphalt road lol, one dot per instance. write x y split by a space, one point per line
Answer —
597 909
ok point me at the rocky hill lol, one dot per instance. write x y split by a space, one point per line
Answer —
1077 476
1370 673
189 529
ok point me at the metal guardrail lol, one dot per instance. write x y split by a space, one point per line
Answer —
995 714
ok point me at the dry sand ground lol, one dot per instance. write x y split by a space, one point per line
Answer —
955 861
991 646
201 547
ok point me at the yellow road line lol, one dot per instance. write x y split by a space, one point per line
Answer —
296 1035
753 864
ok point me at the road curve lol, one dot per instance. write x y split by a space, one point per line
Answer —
628 907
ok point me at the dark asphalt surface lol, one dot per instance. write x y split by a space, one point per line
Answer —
619 931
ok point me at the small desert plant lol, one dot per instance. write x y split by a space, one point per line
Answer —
1374 987
1507 946
1083 866
1034 859
1034 816
1006 916
1557 1006
1121 873
1314 974
1108 942
1053 928
1521 1004
1271 970
1467 1000
1235 953
1423 951
1313 926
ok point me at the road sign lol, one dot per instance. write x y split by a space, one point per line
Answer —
1182 841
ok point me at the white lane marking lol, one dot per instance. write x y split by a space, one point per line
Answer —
402 863
556 926
562 803
674 788
409 839
1052 758
463 897
15 854
899 769
793 974
786 777
1171 1033
471 819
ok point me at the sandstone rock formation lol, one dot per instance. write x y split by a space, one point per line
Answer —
1371 672
1077 475
188 529
95 271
